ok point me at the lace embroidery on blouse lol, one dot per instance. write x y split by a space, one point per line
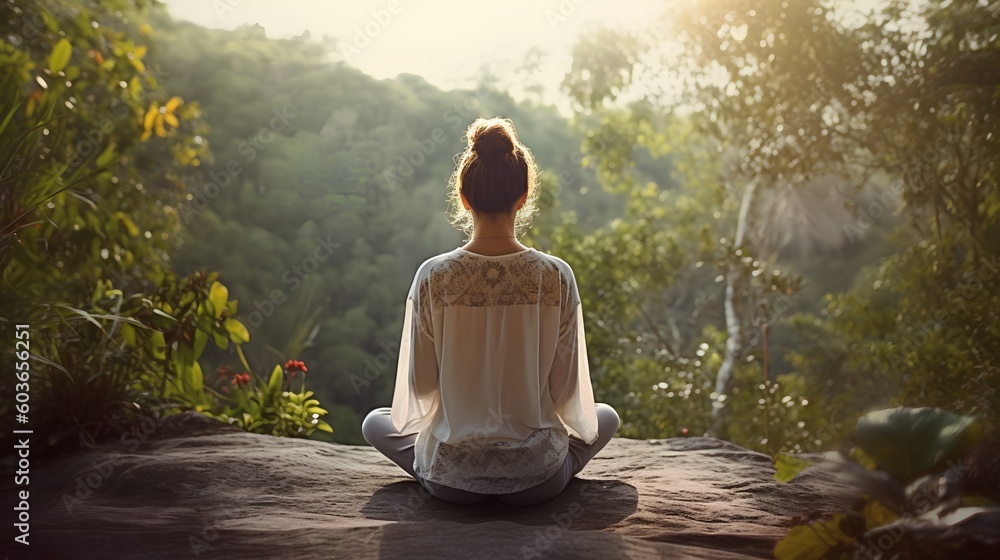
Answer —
518 280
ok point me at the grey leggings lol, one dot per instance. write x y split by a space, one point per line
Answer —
380 433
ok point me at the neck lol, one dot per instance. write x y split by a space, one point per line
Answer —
499 229
494 237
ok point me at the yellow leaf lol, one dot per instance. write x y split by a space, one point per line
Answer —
107 156
863 458
145 29
171 120
60 56
150 118
139 51
160 131
135 87
786 467
237 332
218 294
145 136
129 225
877 515
128 333
814 541
173 104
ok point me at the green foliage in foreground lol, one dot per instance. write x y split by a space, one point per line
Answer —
269 407
89 193
910 472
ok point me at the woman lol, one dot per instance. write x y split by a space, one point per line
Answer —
493 394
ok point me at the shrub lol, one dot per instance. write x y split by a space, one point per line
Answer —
909 468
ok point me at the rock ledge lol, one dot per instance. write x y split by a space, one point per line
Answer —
197 489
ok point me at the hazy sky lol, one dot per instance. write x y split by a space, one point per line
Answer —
445 41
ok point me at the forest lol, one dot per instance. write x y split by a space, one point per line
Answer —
780 218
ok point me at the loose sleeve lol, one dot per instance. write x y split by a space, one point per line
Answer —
416 388
569 381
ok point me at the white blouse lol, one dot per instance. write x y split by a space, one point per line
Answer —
493 374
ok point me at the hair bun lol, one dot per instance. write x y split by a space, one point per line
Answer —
490 140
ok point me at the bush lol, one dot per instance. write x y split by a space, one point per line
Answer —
910 469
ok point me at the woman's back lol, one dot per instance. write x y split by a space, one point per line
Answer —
494 365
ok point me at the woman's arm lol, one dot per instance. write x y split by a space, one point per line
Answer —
425 367
417 370
569 379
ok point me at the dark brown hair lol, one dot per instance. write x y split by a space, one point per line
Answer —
493 173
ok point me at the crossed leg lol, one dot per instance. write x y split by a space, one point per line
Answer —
378 430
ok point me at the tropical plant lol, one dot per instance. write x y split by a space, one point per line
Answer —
93 159
269 407
909 469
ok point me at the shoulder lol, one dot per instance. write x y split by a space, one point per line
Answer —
436 272
556 263
562 276
434 264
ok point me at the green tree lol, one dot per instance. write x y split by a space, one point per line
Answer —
797 96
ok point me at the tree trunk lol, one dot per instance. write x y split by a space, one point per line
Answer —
735 281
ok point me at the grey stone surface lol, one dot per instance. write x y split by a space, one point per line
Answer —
198 489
